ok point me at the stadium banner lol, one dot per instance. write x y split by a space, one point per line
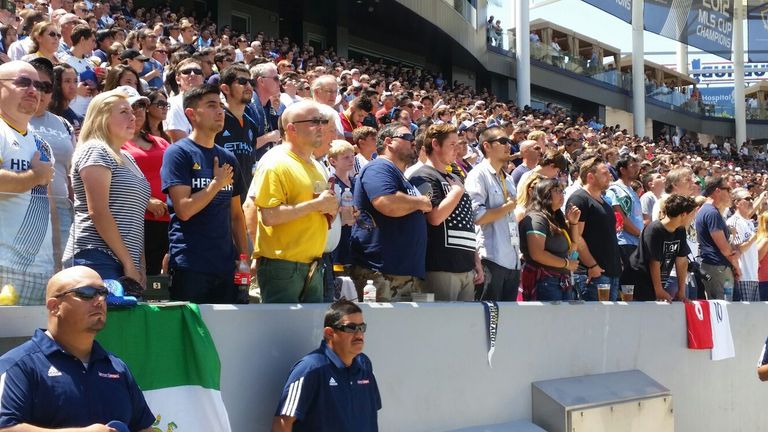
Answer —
757 33
173 358
704 24
621 9
491 309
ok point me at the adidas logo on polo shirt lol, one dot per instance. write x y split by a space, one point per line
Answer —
52 372
226 133
332 382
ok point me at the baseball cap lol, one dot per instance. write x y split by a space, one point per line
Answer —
132 54
132 93
466 124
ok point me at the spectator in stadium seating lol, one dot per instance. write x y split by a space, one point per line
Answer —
626 201
207 228
452 264
79 58
23 45
548 242
663 246
718 258
530 152
77 311
678 181
325 91
111 193
64 91
240 129
121 75
762 253
265 116
58 133
341 157
391 221
26 170
289 83
45 41
493 201
600 262
364 139
147 150
352 117
67 23
653 183
743 240
104 39
189 74
312 399
156 113
287 219
152 70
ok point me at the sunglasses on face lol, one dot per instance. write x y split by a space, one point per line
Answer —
351 327
405 137
161 104
243 81
314 121
503 141
53 34
26 82
85 292
196 71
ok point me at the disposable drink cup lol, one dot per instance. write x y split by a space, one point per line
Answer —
603 292
627 292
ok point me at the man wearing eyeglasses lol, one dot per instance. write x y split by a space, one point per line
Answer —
64 366
333 387
189 73
26 171
719 259
267 86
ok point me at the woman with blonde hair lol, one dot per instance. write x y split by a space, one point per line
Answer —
111 193
762 255
45 37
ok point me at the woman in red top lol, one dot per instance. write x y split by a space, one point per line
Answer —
148 152
762 255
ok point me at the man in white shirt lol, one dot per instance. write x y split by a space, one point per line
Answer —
189 73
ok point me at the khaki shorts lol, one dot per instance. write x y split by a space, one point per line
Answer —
449 286
388 287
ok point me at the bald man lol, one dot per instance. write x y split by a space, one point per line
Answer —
530 151
62 379
26 170
290 200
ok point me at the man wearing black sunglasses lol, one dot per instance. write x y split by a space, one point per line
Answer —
26 171
65 366
333 387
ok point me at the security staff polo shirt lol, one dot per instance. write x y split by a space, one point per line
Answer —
43 385
325 395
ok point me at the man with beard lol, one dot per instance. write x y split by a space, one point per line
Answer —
599 258
64 366
290 215
240 130
26 170
333 387
390 237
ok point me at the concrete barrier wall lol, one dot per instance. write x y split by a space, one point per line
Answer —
431 364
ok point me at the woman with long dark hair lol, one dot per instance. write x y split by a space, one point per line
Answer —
64 91
122 75
548 241
156 114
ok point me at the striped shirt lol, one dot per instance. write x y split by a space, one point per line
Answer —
128 196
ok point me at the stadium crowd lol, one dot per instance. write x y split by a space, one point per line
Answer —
145 141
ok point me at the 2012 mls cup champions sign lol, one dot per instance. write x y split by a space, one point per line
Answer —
704 24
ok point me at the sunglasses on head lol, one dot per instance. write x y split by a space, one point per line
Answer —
351 327
314 121
85 292
26 82
243 81
405 137
196 71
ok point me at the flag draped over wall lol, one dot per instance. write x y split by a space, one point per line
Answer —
174 360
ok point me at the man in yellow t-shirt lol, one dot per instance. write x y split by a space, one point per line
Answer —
288 217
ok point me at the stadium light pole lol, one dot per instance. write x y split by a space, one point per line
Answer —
740 108
638 69
523 52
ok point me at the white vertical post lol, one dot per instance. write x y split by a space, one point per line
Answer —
682 58
740 106
523 52
638 69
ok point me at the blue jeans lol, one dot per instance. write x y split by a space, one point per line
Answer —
763 289
102 262
548 288
588 291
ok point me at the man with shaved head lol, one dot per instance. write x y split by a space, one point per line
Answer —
530 151
62 379
26 170
288 216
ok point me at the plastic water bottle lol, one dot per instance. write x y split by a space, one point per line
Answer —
346 207
369 292
243 279
728 290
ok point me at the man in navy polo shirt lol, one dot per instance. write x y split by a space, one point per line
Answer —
62 378
389 240
204 183
333 387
